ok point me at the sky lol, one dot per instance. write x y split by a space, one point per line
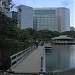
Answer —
50 3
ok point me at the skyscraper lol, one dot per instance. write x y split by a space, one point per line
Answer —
63 19
54 19
14 15
25 17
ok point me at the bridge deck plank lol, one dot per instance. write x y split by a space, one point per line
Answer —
32 63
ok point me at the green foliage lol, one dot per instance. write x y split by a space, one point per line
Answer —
47 34
12 39
69 33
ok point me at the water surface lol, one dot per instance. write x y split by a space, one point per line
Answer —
60 57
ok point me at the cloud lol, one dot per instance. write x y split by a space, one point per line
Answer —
65 2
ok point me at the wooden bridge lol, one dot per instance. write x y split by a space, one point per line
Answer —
29 60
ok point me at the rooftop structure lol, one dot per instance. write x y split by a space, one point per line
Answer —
63 39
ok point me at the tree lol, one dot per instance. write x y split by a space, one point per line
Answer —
69 33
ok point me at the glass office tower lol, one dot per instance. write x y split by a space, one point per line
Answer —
54 19
45 19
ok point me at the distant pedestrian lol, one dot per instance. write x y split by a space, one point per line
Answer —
36 43
42 43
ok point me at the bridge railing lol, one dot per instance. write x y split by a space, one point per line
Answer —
43 63
18 57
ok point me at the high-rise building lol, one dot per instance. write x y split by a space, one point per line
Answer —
14 15
72 28
25 17
45 18
4 7
63 19
54 19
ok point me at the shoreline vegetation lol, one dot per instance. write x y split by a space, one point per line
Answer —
67 72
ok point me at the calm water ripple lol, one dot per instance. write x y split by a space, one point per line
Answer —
60 57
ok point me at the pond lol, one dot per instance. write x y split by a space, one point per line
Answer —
60 57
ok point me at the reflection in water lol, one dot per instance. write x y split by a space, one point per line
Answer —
60 57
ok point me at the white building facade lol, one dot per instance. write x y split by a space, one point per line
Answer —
63 18
25 17
54 19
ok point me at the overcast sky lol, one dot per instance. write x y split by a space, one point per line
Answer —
50 3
